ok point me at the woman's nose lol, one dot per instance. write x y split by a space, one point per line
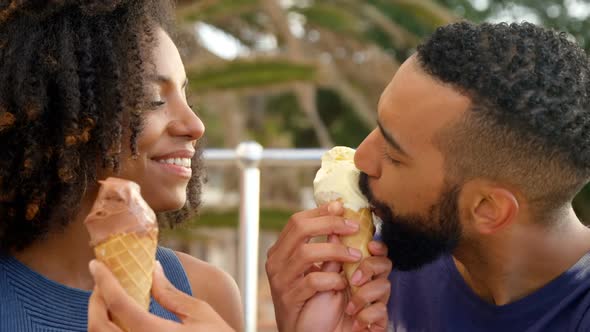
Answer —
187 124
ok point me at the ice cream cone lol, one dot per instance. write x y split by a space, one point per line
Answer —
124 234
359 240
130 257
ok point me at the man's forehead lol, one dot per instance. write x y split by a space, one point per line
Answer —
403 79
416 101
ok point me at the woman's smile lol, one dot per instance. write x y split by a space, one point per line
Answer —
176 163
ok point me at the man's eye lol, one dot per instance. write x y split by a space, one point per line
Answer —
389 158
393 161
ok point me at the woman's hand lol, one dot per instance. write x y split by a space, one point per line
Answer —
110 300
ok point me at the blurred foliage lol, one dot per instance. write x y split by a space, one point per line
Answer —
345 126
555 14
215 132
331 17
326 78
582 205
270 220
345 51
218 9
244 74
411 14
283 117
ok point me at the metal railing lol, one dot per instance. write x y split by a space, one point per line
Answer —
248 156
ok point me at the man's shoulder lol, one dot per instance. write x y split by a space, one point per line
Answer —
580 305
442 298
580 321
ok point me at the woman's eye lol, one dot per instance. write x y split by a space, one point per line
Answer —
157 103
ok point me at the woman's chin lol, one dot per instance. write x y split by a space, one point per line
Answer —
167 205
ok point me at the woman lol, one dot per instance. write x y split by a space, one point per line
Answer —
91 89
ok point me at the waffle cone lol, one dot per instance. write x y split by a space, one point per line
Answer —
131 258
359 240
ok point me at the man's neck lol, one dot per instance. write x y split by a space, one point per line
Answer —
63 256
506 268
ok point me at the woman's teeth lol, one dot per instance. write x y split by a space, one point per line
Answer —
184 162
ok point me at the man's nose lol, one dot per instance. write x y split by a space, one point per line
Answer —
366 156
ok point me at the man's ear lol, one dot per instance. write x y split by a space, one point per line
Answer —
491 207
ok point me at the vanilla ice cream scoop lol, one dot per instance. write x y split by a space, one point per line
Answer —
338 180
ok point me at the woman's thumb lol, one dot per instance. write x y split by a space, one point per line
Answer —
172 299
332 266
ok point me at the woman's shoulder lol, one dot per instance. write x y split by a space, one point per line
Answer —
214 286
205 278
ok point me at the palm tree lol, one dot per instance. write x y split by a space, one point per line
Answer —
346 46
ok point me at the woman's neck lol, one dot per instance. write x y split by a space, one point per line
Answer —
63 256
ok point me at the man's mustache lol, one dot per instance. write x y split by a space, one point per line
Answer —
378 207
364 186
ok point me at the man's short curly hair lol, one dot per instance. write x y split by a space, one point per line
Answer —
72 84
529 123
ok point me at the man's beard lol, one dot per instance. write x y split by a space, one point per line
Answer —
415 240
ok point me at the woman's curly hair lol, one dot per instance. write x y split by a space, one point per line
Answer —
72 81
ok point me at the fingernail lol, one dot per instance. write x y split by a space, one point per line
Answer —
92 267
355 253
351 224
333 238
334 207
356 277
159 267
378 245
350 308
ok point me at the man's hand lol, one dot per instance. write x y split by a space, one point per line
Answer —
313 297
110 300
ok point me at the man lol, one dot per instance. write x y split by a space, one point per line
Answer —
482 142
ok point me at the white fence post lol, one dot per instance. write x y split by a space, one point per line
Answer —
249 155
